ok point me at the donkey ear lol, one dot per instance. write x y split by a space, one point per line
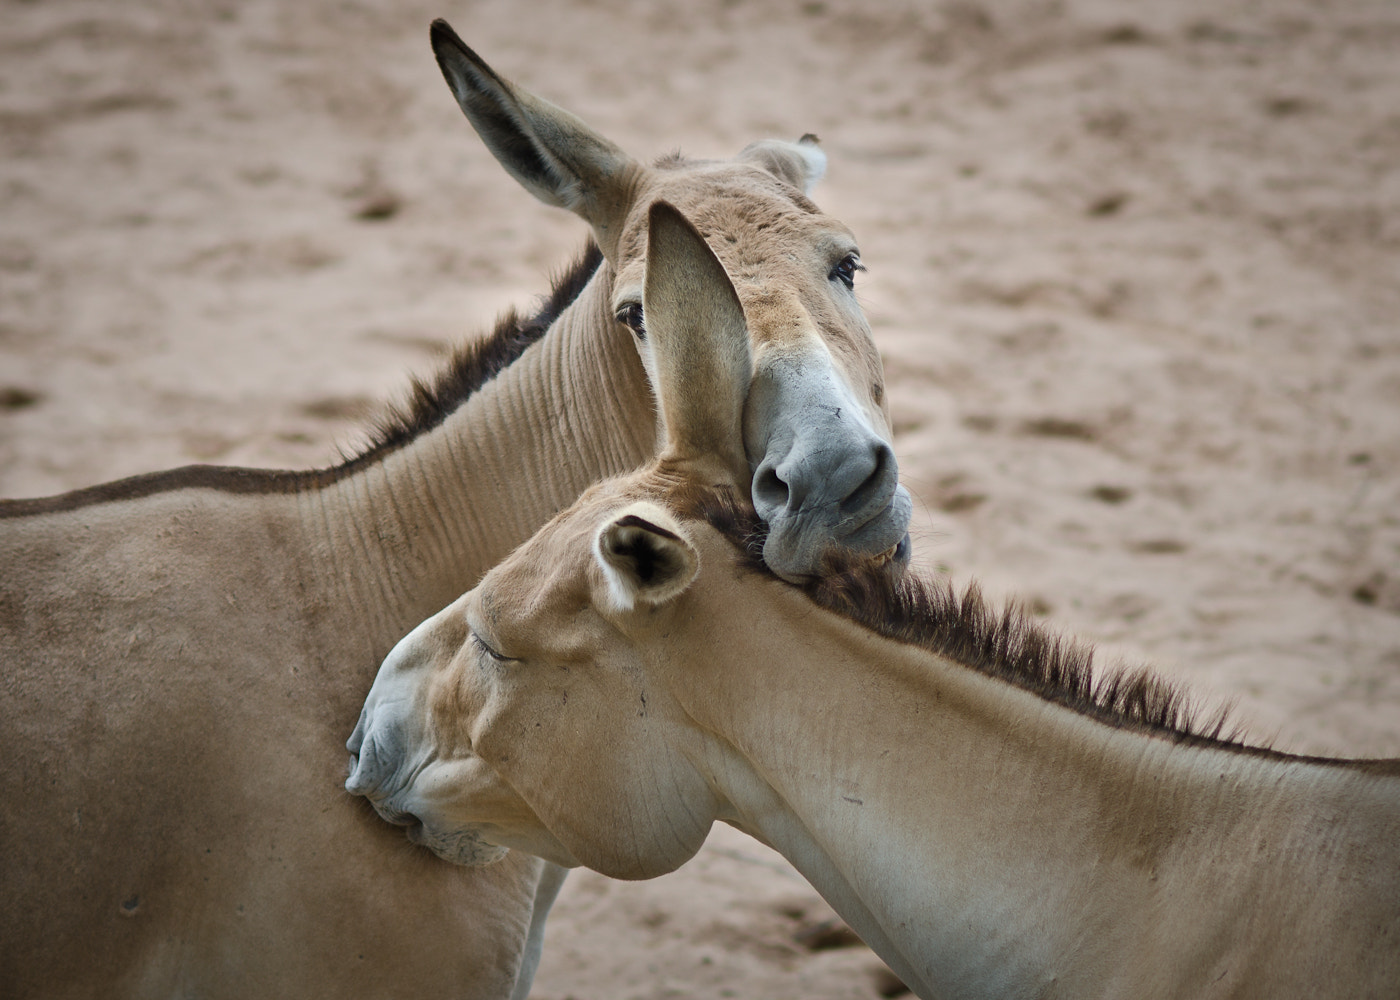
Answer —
801 163
699 343
553 154
644 557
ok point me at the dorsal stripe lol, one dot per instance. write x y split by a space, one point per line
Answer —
471 366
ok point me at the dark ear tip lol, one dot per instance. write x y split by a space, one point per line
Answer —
450 51
660 210
441 35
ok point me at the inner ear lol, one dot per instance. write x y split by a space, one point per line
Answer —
699 340
643 547
644 558
553 154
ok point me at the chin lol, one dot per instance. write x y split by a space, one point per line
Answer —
459 847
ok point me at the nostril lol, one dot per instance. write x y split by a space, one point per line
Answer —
876 487
769 490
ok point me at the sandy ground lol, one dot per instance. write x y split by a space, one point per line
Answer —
1134 268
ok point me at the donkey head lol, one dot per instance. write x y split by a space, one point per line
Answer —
815 425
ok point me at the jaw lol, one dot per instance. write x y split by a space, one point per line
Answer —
468 815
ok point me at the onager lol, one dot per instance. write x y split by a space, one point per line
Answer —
183 652
991 819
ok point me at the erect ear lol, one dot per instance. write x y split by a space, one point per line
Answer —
557 158
644 556
700 346
801 163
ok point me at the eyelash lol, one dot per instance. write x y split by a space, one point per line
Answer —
631 317
845 271
481 645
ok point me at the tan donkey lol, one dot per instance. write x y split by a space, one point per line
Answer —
993 821
181 654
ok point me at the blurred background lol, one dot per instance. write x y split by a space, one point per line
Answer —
1134 269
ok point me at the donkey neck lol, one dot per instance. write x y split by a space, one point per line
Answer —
404 535
987 842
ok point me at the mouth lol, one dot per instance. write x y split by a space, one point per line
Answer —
380 802
408 820
897 554
891 519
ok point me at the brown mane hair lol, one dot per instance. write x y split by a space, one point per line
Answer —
475 363
471 366
1002 643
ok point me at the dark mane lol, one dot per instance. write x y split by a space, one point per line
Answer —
474 364
1003 643
471 366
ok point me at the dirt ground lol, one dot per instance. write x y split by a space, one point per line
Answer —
1134 268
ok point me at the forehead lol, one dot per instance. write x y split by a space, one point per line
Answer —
552 574
741 209
547 572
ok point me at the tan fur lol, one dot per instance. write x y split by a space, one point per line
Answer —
183 656
987 840
180 670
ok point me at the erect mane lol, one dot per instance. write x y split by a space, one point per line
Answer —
471 366
1004 643
475 363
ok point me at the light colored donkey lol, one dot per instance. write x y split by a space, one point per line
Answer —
993 821
182 653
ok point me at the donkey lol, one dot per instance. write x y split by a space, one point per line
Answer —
991 819
184 651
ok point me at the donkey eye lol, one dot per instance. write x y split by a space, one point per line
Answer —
481 645
630 316
845 272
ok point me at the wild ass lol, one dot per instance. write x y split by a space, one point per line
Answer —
991 819
183 652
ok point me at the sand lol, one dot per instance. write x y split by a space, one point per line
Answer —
1134 269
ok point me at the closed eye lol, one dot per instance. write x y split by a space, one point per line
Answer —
480 644
845 271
